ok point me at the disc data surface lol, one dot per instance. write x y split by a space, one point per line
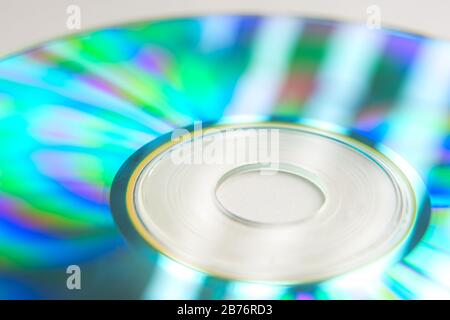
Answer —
74 110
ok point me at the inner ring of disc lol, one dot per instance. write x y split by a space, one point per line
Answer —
349 225
277 195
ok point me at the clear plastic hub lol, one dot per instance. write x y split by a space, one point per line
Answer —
315 205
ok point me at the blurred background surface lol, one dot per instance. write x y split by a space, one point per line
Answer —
27 23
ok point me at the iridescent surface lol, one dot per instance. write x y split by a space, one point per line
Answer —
72 111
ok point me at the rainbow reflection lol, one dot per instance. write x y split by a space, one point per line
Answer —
73 110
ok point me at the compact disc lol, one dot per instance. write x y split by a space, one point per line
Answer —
114 162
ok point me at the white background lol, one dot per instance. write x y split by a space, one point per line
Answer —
24 23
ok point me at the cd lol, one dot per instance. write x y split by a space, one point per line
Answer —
93 204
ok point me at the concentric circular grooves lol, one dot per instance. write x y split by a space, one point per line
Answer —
355 144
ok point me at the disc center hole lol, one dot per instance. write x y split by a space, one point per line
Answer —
269 196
